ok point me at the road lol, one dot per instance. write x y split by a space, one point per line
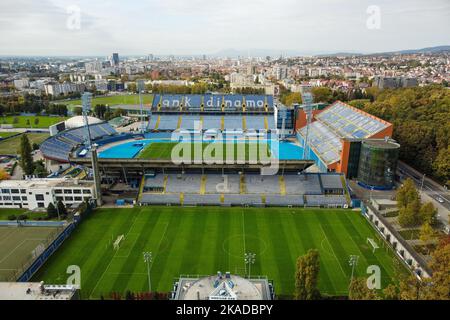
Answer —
430 188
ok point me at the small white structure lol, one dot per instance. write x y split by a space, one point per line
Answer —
222 287
39 193
78 121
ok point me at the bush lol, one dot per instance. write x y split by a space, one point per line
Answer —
12 217
22 217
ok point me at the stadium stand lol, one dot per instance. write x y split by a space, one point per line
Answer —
199 200
258 184
242 200
60 146
187 183
167 122
326 201
161 199
216 183
325 190
282 201
303 184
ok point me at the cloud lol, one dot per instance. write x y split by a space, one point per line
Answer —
206 26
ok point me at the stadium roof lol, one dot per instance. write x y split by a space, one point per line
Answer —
349 122
78 121
340 121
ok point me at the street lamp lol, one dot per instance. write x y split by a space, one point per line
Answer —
148 258
421 183
353 261
249 259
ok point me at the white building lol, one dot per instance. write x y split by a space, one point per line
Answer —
57 89
93 67
21 84
39 193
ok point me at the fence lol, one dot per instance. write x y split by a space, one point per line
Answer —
403 250
42 258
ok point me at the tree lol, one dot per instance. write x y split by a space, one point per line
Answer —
77 111
36 121
307 275
4 175
322 94
435 288
428 213
51 211
406 193
39 169
409 216
26 158
61 208
291 98
391 293
441 164
426 233
440 265
358 290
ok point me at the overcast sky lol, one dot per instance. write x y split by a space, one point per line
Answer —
51 27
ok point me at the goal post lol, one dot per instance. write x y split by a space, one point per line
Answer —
373 244
116 244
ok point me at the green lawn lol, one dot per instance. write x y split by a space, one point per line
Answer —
5 135
163 150
206 240
11 146
44 121
111 101
5 213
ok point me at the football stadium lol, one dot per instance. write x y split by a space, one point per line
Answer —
213 177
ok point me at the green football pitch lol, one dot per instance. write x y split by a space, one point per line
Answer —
17 246
206 151
202 241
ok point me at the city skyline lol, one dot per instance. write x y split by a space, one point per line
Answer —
92 28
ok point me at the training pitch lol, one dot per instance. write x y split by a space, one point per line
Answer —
17 246
210 239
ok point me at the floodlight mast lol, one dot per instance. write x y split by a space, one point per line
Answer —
307 99
86 99
148 259
141 88
249 259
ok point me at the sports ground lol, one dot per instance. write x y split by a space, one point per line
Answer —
29 121
11 146
205 240
112 100
17 246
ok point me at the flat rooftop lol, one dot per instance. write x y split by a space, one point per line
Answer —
202 288
45 183
33 291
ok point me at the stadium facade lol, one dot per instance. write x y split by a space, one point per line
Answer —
336 135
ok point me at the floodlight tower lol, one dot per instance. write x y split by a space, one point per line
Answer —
148 259
141 88
87 106
249 259
308 100
283 121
